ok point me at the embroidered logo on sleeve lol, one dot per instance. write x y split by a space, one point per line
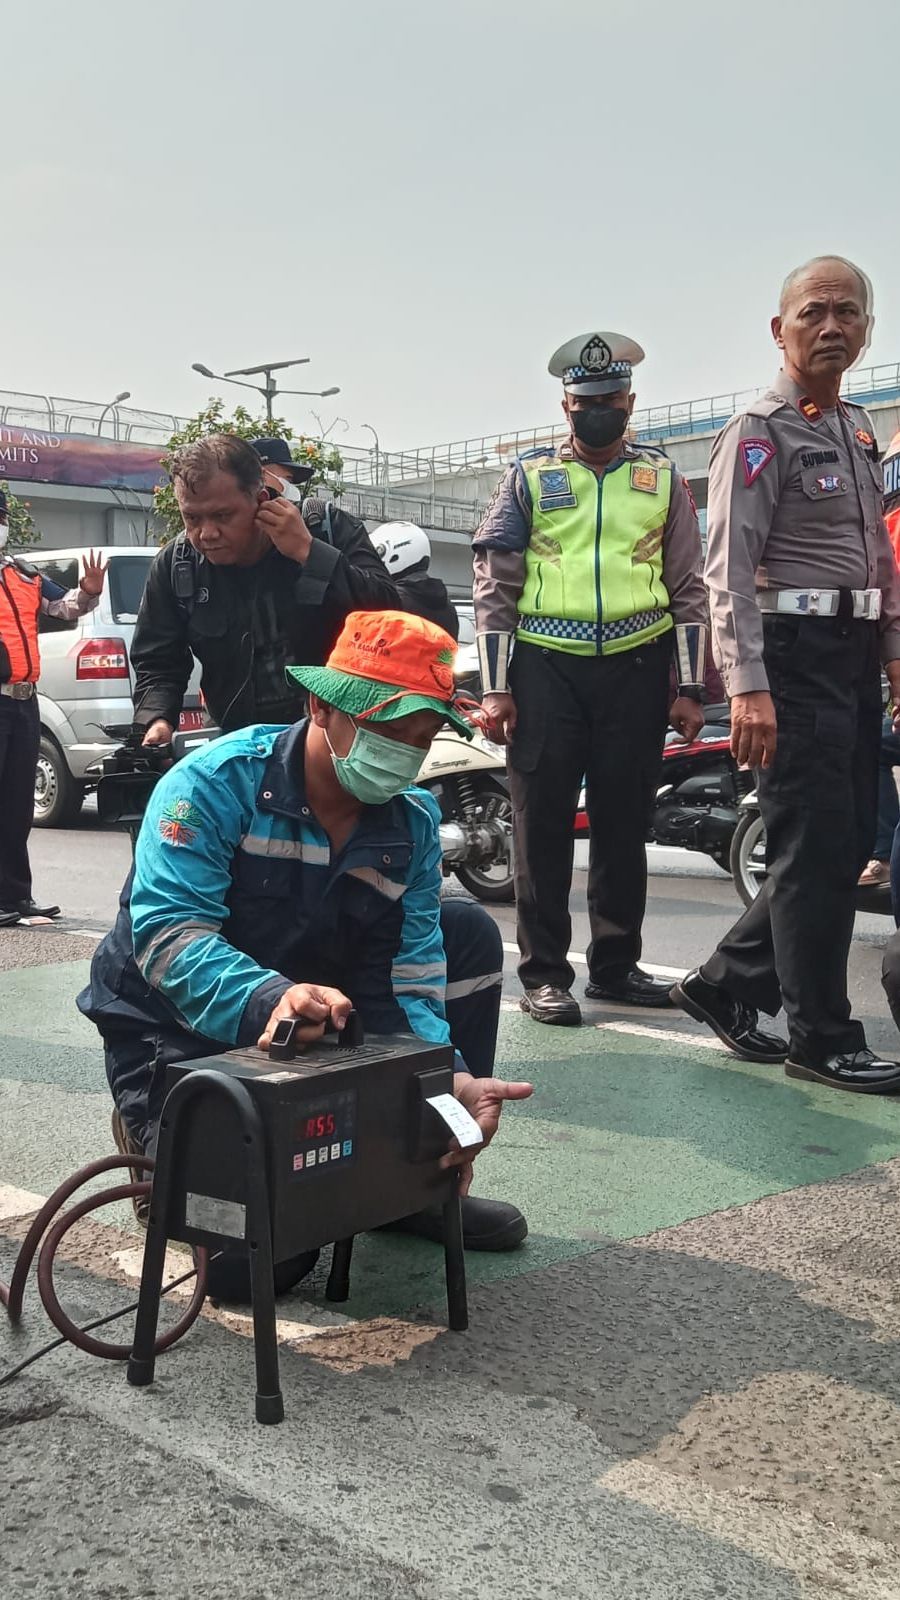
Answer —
179 822
755 457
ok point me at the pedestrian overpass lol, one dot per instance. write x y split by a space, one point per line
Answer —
445 488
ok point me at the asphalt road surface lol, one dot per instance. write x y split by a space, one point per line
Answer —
684 1385
691 904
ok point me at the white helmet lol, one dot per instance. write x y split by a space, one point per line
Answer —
401 545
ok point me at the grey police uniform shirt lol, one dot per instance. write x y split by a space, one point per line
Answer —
505 530
795 502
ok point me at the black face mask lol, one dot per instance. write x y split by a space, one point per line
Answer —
597 426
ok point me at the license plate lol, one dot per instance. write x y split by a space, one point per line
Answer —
190 721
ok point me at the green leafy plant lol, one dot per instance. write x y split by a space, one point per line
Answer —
22 531
326 462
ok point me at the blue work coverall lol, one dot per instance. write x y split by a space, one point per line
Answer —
236 894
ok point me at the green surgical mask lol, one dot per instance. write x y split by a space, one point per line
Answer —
376 769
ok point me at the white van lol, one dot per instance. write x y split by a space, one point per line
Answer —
86 678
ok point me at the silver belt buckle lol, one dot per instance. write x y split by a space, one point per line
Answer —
21 691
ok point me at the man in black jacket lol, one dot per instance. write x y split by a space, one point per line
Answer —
248 589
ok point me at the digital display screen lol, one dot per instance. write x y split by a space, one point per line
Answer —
325 1134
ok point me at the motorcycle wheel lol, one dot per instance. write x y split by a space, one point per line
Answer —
495 884
748 856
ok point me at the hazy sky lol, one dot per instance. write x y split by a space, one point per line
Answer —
426 198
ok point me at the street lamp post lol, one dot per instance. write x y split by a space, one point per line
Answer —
269 389
125 395
369 429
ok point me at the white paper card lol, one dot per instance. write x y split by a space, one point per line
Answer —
461 1124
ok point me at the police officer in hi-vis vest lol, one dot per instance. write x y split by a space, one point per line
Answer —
589 558
24 596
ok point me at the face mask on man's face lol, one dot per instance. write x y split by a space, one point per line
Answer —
375 769
597 426
289 491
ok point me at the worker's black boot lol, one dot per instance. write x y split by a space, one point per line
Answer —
487 1224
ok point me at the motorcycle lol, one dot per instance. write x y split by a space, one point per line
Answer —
748 863
468 780
698 799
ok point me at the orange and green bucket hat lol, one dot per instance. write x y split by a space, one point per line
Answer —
387 664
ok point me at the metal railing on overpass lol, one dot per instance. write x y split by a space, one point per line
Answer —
681 419
380 469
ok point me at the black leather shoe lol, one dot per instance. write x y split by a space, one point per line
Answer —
633 988
28 908
487 1224
8 919
735 1023
859 1071
556 1006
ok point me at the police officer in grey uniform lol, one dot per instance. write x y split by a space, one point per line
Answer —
805 608
589 556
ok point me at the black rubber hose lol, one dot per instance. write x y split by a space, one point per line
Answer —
11 1295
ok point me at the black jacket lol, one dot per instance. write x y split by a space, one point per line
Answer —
428 598
246 624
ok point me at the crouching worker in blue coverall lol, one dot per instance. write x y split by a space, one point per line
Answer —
295 872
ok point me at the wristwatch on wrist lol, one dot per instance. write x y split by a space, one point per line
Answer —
690 691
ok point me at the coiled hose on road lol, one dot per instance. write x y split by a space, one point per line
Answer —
11 1295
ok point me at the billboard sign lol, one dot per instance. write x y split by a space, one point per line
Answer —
78 460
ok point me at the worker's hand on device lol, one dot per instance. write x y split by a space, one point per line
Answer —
483 1099
319 1008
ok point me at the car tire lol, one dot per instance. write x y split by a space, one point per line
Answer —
57 797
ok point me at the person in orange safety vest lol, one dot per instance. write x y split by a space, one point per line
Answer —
24 595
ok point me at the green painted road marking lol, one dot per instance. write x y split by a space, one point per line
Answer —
626 1133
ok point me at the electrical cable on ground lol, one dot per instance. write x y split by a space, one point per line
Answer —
11 1294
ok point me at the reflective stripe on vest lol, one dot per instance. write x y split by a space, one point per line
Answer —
20 604
595 555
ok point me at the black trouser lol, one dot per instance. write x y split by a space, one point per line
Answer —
819 802
601 719
138 1053
20 740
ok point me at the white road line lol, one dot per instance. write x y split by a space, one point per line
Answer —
18 1202
644 1031
646 966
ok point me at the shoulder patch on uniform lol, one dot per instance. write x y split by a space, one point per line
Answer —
555 489
755 457
644 477
180 822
